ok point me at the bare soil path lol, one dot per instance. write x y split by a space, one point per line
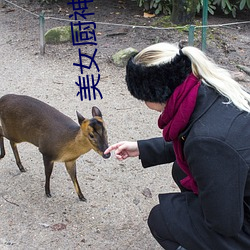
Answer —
120 194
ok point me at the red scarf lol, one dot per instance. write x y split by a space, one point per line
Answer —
174 119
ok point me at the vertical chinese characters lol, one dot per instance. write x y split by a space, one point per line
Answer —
83 33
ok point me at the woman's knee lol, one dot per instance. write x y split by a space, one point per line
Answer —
153 218
159 229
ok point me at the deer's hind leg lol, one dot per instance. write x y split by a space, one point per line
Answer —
1 144
18 161
71 168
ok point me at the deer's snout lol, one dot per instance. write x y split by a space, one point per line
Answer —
106 156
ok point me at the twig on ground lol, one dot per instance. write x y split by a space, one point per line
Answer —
13 203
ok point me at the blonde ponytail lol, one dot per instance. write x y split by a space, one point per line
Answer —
218 78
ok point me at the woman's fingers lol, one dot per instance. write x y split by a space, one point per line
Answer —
124 149
113 147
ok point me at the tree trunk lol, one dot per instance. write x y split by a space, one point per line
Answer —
183 11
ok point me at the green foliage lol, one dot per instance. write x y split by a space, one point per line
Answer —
230 6
244 4
226 6
211 7
165 6
158 6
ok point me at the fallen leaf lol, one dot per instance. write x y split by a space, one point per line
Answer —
58 227
148 15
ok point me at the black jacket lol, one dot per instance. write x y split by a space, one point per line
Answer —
216 145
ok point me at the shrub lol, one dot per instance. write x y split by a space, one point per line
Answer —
157 6
227 6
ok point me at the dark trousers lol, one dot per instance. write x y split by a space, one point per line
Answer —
156 221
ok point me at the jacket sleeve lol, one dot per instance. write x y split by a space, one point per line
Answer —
220 173
155 151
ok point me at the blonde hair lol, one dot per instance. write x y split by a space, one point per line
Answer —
202 67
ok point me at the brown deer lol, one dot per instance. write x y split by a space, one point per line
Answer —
59 139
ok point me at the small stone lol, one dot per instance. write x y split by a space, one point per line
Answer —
44 225
121 58
136 201
239 76
147 193
57 35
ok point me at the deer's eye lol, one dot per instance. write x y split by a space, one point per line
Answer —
91 136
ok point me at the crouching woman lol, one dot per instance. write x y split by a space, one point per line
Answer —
205 120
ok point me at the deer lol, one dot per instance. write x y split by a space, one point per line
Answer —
58 137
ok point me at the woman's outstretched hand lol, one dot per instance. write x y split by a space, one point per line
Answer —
124 150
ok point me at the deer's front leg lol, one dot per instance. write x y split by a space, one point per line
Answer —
71 168
48 165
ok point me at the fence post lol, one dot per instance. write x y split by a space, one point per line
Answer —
191 35
42 31
204 24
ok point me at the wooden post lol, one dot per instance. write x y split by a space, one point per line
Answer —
42 31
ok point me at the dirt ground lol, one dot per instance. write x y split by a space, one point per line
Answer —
119 195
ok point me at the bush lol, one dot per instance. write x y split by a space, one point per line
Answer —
156 6
230 7
227 6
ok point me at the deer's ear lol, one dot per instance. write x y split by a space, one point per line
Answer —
96 112
80 118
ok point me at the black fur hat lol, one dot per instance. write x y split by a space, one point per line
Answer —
156 83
